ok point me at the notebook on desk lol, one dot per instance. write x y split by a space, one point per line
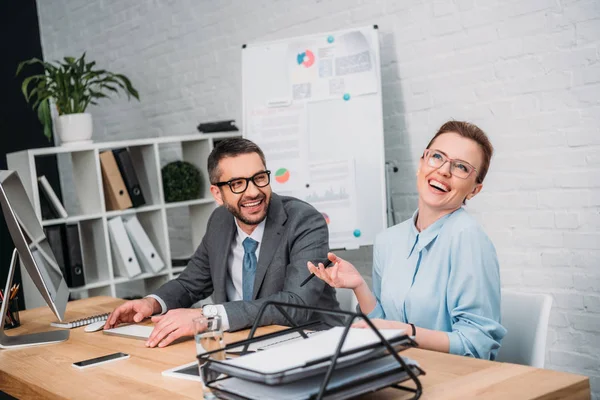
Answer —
80 322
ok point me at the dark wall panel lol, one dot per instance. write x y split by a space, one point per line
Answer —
19 127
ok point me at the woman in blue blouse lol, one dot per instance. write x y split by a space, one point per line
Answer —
436 274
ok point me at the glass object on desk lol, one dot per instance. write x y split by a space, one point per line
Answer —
208 334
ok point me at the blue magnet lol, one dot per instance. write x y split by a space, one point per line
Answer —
357 233
330 39
347 97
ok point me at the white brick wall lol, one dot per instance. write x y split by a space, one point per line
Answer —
527 71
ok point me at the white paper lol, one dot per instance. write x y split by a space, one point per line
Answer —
280 133
332 192
320 70
273 342
298 353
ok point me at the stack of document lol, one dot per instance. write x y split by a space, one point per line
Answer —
267 375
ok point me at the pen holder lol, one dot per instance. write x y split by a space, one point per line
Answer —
11 319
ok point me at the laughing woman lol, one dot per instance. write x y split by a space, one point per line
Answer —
436 274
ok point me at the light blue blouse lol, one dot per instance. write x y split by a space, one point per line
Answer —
444 278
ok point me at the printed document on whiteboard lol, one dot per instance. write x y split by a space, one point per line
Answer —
280 132
332 192
322 70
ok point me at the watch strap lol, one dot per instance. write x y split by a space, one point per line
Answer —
414 330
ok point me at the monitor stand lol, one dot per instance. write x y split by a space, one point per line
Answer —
32 339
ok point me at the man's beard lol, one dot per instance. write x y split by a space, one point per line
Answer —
236 211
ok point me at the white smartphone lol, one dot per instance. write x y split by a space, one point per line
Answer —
92 362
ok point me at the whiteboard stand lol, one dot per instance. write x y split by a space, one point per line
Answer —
390 167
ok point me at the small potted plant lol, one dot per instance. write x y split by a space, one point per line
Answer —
71 86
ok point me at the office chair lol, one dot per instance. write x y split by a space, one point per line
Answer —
347 299
525 317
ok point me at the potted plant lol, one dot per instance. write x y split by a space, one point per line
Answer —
71 85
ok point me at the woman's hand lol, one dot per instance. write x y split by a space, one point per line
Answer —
341 274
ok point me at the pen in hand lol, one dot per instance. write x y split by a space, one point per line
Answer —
326 264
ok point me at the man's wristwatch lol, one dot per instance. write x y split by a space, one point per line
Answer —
210 310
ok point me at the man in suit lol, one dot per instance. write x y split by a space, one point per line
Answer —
256 248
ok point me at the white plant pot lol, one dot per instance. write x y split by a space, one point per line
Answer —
75 129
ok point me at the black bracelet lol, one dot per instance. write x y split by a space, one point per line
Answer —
414 330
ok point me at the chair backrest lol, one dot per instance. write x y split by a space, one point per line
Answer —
525 317
347 299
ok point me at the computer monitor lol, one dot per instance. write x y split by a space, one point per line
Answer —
32 247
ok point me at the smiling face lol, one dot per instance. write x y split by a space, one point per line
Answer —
440 191
249 207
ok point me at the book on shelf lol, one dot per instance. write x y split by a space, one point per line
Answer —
115 191
130 178
75 276
51 197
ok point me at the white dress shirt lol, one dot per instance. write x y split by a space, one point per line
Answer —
235 259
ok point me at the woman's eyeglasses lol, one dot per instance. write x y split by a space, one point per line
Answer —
459 168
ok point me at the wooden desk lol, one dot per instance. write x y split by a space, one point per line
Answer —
45 371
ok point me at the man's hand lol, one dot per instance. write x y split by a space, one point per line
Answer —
173 325
132 311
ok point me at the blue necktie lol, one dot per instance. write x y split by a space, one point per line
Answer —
249 267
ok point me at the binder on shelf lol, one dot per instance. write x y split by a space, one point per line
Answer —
46 208
147 255
51 197
359 363
130 178
75 276
124 258
57 240
115 191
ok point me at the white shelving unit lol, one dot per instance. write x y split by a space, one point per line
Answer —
90 213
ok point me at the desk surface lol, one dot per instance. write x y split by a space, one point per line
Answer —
45 371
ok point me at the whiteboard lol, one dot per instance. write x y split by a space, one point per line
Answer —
313 105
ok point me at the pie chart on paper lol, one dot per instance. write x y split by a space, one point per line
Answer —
282 175
306 58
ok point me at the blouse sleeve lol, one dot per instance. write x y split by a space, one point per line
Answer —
378 311
473 296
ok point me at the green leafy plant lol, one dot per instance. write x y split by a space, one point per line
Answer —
181 181
73 85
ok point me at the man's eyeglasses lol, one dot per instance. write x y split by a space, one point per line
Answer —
239 185
458 168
